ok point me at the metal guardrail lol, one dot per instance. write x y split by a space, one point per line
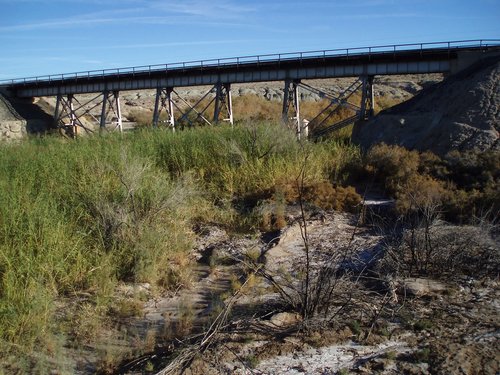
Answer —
257 59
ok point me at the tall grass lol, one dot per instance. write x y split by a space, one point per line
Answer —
83 215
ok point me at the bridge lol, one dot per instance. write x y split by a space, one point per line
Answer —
291 68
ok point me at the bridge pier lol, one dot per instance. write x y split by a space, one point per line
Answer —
69 112
163 101
367 99
111 105
291 100
223 100
65 117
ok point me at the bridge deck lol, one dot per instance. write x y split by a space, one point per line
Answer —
383 60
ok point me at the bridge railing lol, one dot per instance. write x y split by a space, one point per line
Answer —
256 59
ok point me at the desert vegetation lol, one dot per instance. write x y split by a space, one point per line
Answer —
81 219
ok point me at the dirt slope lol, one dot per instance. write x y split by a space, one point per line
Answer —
462 113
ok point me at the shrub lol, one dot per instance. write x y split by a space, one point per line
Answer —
423 355
464 185
420 194
325 195
444 251
423 325
142 118
392 165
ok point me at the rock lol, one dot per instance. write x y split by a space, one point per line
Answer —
284 319
247 91
132 290
15 126
422 287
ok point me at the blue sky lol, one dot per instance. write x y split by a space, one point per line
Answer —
54 36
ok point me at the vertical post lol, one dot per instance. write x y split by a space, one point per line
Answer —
102 121
170 108
229 99
367 98
292 97
218 101
72 116
372 97
57 110
362 110
156 113
116 95
286 102
223 98
296 104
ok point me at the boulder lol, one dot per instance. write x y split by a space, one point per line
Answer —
284 319
419 287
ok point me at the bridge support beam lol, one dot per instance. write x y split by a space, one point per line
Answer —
223 102
291 100
102 120
57 111
69 113
111 112
328 118
200 114
165 102
65 117
367 99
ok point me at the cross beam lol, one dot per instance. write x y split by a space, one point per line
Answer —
222 101
322 123
70 112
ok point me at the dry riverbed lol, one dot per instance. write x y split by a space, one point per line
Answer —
412 326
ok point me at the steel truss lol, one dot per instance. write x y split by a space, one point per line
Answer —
337 102
322 123
222 100
69 113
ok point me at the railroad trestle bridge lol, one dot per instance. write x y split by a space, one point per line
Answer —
363 63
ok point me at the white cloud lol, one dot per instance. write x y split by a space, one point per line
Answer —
217 13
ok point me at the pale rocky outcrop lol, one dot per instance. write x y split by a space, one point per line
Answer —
12 126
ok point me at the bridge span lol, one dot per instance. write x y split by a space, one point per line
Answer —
292 68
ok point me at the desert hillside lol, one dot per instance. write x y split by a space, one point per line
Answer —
461 113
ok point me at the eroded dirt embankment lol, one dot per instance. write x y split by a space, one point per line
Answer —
461 113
